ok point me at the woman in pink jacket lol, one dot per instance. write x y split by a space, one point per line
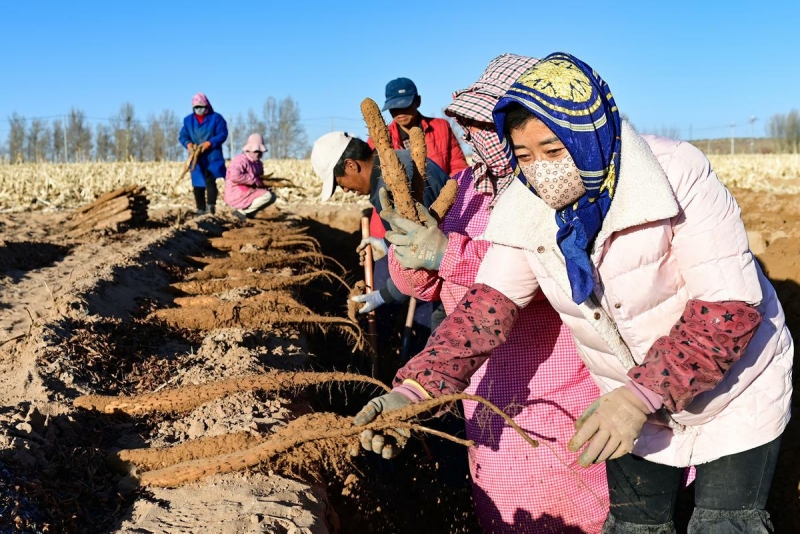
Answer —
244 189
642 252
537 373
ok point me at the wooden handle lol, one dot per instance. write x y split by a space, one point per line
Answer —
368 261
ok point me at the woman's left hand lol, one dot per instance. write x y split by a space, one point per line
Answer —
612 423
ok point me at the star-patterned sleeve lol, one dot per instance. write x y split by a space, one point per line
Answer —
702 346
481 322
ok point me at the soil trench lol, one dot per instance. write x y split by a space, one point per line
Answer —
164 309
169 307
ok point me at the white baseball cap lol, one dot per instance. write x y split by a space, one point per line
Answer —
325 154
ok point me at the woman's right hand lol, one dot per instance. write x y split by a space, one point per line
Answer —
376 441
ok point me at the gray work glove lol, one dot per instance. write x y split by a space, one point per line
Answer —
612 423
376 442
371 300
378 245
416 246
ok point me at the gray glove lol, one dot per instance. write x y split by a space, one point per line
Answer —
372 300
611 425
375 442
416 246
378 245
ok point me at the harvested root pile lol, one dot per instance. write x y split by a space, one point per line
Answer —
111 211
319 435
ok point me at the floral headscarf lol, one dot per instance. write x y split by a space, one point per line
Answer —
576 104
490 170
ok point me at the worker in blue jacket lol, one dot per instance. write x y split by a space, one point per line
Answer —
208 130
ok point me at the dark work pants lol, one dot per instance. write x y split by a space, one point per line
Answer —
730 494
210 190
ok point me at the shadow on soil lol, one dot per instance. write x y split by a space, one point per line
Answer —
17 258
426 488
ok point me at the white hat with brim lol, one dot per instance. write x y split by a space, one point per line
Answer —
325 154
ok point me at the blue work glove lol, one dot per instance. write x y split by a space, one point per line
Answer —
416 246
376 442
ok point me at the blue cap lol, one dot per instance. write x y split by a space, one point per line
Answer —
400 93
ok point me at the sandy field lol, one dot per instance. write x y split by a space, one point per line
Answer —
235 333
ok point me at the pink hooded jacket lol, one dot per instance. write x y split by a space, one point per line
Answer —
243 183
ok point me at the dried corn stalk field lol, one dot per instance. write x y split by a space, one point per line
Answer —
74 184
69 185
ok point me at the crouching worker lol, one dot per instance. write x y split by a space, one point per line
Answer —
342 160
244 189
642 251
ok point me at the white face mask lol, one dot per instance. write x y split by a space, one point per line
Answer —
200 110
558 182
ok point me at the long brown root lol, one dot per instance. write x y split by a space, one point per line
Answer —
158 458
393 172
266 282
419 155
191 161
307 429
186 398
445 200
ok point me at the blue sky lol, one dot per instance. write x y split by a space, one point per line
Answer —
671 65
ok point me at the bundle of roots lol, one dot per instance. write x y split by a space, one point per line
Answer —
324 433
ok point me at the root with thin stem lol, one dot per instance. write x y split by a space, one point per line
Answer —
235 244
160 457
256 312
266 282
268 229
307 430
186 398
219 268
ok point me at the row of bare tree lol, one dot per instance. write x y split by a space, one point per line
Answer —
785 129
125 137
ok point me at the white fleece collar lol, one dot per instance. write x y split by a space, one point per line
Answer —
522 220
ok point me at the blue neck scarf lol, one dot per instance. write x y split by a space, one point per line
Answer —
576 104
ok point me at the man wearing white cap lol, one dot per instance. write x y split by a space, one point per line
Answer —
244 189
339 158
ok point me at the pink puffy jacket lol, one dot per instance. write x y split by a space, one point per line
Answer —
673 233
243 183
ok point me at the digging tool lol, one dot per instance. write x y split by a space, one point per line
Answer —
405 344
372 326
